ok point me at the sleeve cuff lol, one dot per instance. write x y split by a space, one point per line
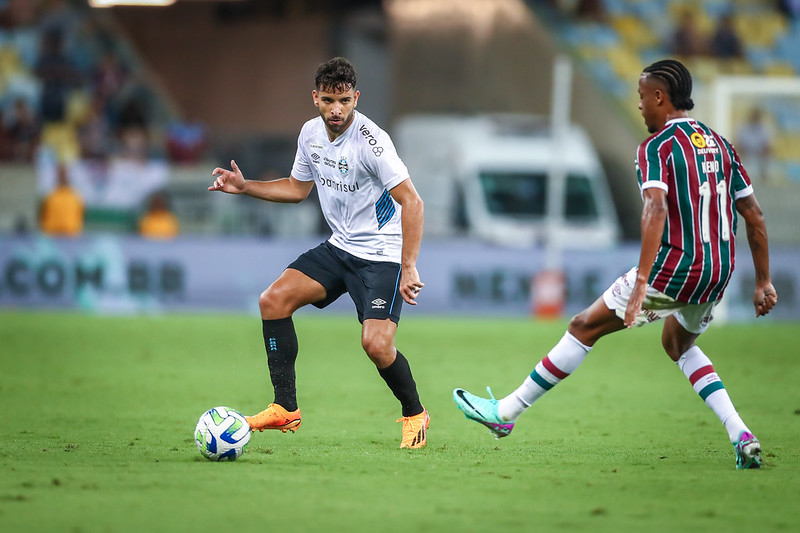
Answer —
747 191
655 183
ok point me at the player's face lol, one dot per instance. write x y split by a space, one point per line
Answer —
336 109
650 95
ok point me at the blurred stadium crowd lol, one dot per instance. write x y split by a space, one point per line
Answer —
76 103
75 97
70 84
614 38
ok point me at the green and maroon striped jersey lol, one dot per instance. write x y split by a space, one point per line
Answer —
703 177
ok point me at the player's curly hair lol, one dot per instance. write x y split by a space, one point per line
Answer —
677 79
336 75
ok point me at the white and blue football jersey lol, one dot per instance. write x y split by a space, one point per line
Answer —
354 175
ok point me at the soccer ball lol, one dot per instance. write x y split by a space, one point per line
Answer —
222 434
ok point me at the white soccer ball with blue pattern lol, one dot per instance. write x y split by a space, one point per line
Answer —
222 434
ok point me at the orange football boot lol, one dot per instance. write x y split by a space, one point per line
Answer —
415 429
275 417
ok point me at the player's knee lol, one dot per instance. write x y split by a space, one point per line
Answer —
589 325
674 347
273 304
580 328
579 323
377 348
265 303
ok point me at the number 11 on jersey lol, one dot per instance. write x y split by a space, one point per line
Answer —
705 209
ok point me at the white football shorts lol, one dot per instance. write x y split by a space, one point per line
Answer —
694 318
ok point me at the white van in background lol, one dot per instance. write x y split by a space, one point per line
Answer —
494 176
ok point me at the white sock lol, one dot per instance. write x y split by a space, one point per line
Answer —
562 361
697 367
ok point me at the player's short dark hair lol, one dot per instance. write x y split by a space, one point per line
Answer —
677 79
336 75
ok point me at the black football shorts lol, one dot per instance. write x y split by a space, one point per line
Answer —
374 286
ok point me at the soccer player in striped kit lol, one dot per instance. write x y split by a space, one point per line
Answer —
694 188
376 219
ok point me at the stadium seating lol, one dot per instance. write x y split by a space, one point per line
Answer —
632 33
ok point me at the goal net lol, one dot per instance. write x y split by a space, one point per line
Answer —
760 115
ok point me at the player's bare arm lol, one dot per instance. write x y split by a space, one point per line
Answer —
765 296
654 216
412 221
283 190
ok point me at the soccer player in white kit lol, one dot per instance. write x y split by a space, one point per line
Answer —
376 219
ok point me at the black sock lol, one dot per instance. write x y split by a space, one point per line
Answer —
401 382
280 340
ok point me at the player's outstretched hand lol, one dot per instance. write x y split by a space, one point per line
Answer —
764 299
231 181
410 285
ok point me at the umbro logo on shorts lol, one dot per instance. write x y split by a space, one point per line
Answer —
378 303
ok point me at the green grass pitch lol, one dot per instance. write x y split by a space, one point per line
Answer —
98 414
